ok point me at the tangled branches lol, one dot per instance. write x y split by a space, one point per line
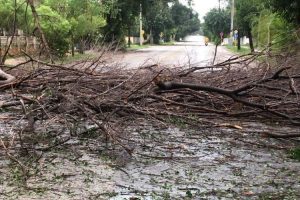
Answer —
92 95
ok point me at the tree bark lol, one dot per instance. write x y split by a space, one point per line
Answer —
72 46
5 78
81 46
239 40
3 58
129 35
37 21
215 54
250 40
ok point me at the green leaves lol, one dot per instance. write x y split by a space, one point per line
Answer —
216 22
185 19
84 25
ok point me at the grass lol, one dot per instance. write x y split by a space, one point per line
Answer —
134 47
243 50
69 58
168 43
295 153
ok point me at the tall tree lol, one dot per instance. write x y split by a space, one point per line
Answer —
215 22
290 9
245 12
185 19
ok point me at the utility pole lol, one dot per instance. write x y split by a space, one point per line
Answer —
232 16
230 41
141 26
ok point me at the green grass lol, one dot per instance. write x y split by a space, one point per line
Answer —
168 43
76 57
137 47
134 47
243 50
295 153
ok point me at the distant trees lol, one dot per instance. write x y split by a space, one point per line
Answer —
215 22
158 19
161 19
186 21
264 22
289 9
70 23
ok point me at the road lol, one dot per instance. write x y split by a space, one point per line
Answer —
192 50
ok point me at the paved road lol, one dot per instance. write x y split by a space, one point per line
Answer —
191 51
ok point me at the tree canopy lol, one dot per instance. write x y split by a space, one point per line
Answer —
69 23
215 22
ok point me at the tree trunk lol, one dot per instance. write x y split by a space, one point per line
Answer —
151 36
5 78
72 46
37 21
129 35
81 46
3 58
215 55
239 40
250 40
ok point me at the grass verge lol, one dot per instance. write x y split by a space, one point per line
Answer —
76 57
134 47
243 50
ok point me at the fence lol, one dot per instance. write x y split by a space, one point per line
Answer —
19 43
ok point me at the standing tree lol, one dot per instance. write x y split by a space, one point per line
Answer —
290 9
245 12
215 22
186 20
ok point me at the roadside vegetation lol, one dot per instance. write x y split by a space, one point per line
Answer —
243 50
266 23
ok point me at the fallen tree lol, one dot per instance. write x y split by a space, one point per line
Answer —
55 103
97 92
5 78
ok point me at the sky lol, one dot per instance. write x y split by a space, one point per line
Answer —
203 6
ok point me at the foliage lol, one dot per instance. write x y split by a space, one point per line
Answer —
215 22
185 19
7 9
295 153
85 18
120 15
289 9
245 12
162 19
6 14
68 23
271 28
158 19
56 29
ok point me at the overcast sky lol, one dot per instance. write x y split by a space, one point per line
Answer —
203 6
